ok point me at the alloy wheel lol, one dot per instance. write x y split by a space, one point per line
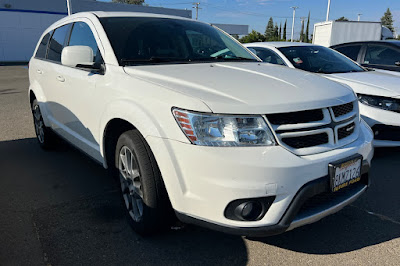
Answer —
39 124
131 185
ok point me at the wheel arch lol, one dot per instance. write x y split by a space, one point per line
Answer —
124 115
114 128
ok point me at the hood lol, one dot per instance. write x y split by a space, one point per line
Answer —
246 88
370 82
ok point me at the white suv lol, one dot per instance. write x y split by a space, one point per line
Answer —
195 126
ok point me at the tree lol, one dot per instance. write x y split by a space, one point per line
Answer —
276 32
302 31
284 31
280 31
132 2
342 19
387 20
253 36
269 31
306 39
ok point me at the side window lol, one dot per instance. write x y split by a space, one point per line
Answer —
82 35
381 55
41 51
350 51
57 43
268 56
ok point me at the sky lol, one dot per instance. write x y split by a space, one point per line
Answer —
256 13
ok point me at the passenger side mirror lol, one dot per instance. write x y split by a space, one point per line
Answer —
77 56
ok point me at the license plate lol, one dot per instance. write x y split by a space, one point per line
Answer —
346 173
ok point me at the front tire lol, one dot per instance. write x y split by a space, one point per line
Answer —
143 191
44 135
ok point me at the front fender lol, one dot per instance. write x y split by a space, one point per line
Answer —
157 123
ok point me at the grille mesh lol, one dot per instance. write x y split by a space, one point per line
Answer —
296 117
306 141
342 109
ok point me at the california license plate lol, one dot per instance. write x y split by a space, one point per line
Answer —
346 173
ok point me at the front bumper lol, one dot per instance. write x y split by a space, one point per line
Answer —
296 215
202 181
385 124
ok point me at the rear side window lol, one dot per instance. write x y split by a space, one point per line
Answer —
82 35
57 43
350 51
381 55
41 51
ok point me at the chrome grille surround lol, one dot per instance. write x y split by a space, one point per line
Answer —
330 125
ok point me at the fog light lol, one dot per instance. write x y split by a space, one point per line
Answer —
248 209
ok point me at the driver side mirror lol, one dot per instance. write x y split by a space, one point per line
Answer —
77 56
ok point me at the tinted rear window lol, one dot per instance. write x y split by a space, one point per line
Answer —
41 51
350 51
57 43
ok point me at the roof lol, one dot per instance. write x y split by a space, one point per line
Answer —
277 44
103 14
395 42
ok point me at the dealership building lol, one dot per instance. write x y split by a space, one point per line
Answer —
23 21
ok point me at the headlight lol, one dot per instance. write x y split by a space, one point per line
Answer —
384 103
224 130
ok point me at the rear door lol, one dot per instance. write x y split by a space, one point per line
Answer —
77 111
38 72
382 56
53 84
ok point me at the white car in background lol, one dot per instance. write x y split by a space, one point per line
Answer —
378 91
224 141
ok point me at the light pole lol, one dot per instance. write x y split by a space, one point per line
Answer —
327 11
69 7
359 16
294 14
197 9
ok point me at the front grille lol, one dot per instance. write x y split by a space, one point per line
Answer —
346 131
320 128
296 117
342 109
306 141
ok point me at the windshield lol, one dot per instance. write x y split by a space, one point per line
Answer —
319 59
149 40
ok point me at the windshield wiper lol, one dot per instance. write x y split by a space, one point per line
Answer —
153 59
233 58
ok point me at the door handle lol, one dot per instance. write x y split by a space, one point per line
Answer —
39 71
397 63
60 78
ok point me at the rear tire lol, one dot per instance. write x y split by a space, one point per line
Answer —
143 191
45 136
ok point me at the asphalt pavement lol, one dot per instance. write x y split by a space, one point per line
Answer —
61 208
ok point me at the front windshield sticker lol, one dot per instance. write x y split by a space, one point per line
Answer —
298 60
